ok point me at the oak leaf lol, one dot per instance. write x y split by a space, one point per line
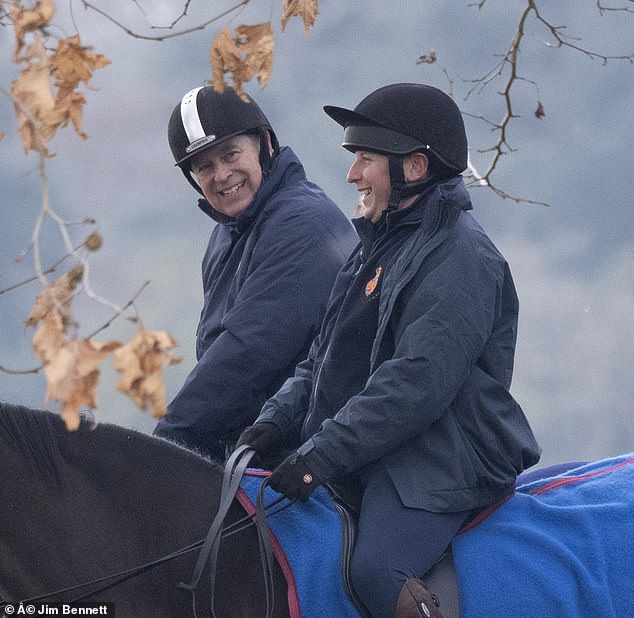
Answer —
41 112
256 43
71 367
306 9
140 364
58 296
34 100
29 20
247 55
224 58
71 63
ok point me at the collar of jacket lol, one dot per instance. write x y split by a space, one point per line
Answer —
440 213
285 164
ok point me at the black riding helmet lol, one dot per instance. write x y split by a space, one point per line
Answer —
205 117
400 119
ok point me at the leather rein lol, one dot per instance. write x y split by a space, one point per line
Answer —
210 545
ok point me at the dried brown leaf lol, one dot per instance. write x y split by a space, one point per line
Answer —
35 103
69 105
140 363
59 296
41 112
539 112
28 20
306 9
247 55
71 367
224 58
257 43
71 63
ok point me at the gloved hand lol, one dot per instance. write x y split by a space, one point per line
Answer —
294 478
262 437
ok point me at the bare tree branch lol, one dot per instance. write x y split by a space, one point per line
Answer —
565 41
606 9
119 313
20 372
50 269
507 68
164 37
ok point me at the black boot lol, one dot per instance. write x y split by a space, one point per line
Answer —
416 601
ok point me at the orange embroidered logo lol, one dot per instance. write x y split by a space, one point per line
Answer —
370 286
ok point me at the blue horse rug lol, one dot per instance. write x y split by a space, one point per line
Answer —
307 543
561 546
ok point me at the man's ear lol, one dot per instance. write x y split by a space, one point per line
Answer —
415 166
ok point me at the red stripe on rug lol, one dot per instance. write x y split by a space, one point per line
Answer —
278 552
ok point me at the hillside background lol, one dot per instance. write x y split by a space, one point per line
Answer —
573 261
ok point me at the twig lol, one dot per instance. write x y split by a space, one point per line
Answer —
164 37
20 372
509 61
564 41
50 269
605 9
119 312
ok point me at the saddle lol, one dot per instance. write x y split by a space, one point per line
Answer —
307 543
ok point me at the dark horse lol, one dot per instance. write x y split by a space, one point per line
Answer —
100 503
76 507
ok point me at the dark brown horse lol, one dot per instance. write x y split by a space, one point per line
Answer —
98 504
77 507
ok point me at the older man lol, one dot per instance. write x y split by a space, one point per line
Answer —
268 270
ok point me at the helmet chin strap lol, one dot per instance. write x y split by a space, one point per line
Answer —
400 188
266 158
397 180
191 181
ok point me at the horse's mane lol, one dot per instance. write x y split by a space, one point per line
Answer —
40 437
34 434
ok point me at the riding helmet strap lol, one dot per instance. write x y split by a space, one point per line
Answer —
265 157
397 180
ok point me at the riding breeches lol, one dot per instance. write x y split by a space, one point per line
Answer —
395 543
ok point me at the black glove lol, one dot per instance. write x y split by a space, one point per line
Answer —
262 437
294 478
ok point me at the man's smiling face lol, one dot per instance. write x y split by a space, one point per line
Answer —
370 172
229 173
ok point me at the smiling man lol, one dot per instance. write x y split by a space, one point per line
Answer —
405 393
267 272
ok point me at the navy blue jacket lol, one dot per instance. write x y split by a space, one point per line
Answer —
436 411
267 275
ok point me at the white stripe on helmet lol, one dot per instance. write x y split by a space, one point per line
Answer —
189 115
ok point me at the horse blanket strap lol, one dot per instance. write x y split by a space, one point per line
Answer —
306 540
561 546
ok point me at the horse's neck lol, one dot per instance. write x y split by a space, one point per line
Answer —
124 499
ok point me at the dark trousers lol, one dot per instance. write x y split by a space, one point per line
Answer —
395 543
